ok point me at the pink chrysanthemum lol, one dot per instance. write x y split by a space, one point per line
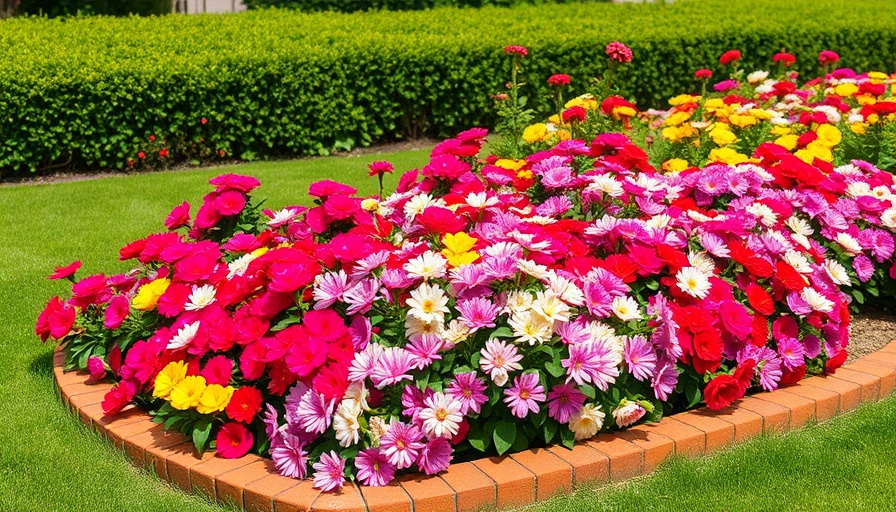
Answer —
564 401
468 390
640 357
499 358
619 52
478 313
524 395
435 456
374 468
401 444
289 456
591 362
664 380
328 472
791 352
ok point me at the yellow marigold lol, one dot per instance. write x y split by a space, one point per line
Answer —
787 142
510 165
675 165
828 135
677 118
815 150
858 128
458 249
214 399
535 133
873 118
760 113
722 135
148 295
877 77
619 112
742 121
677 133
187 393
727 156
715 104
585 101
846 89
555 119
681 99
780 130
170 376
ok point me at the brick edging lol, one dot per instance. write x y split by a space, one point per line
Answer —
513 480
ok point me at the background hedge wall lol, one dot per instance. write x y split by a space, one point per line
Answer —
87 92
393 5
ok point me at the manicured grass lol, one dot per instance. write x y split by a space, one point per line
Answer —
48 461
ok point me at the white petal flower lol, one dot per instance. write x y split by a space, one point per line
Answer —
817 301
184 336
200 297
626 308
427 266
587 422
693 282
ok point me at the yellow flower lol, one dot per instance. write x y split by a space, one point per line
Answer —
760 113
815 150
722 135
214 399
787 142
780 130
858 128
873 118
170 376
619 112
258 252
727 156
715 103
510 165
846 89
681 99
535 133
564 134
828 135
458 249
677 118
742 121
555 119
585 101
866 99
676 133
877 77
148 295
188 392
675 165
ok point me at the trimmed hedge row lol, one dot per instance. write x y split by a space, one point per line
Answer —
88 92
392 5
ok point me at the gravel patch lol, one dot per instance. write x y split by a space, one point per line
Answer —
869 331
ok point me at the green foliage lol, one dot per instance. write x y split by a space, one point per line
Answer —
88 92
54 8
392 5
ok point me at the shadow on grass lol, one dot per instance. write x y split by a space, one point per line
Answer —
42 365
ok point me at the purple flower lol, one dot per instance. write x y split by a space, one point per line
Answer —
435 456
328 472
591 362
401 444
554 206
725 85
791 352
392 367
468 390
523 396
639 357
374 468
864 267
564 401
288 456
664 380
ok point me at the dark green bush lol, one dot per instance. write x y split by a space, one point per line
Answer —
391 5
54 8
87 92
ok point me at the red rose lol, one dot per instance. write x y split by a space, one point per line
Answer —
722 391
729 57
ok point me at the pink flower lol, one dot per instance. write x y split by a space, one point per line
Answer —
66 271
116 312
791 352
360 296
392 367
703 74
326 188
729 57
478 313
664 380
314 413
619 52
56 320
518 51
558 80
179 216
91 290
425 349
524 395
289 456
446 167
96 367
307 353
328 472
240 183
498 359
469 391
118 397
341 207
230 202
435 456
218 370
628 412
374 468
380 168
640 357
725 85
401 444
207 216
591 362
564 401
827 57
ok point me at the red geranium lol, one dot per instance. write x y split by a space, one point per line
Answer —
66 271
722 391
729 57
244 404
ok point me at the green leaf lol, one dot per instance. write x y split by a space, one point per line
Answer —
501 332
549 430
504 436
200 435
477 439
567 437
555 369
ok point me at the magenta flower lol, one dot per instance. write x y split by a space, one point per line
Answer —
478 313
66 271
498 359
401 444
791 352
315 412
116 312
374 468
664 380
524 395
726 85
288 455
328 472
392 367
468 390
328 288
564 401
619 52
591 362
639 357
435 456
827 57
360 296
425 349
96 367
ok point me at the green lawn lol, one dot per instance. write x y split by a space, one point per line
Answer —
48 461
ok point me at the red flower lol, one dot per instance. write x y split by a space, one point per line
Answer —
441 220
179 216
745 372
233 441
244 404
703 74
203 121
141 155
91 290
207 216
515 50
118 397
331 381
55 320
236 182
572 114
230 202
784 58
380 168
619 52
722 391
707 350
152 138
827 57
558 80
759 299
342 207
789 277
729 57
791 377
218 370
116 312
66 271
163 153
831 365
306 355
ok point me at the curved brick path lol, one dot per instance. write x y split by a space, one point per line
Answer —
513 480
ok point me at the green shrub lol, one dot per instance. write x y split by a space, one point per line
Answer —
392 5
88 92
54 8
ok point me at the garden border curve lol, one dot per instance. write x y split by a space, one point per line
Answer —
519 479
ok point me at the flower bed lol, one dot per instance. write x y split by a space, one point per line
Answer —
556 289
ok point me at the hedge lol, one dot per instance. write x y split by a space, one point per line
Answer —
392 5
87 92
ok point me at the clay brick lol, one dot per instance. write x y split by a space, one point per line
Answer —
516 484
553 475
626 459
474 489
135 445
889 348
775 418
179 460
103 423
850 393
229 486
802 410
887 375
155 453
80 388
747 424
870 383
348 499
588 466
203 474
65 379
58 356
657 447
888 360
827 403
387 498
117 433
689 441
299 498
719 433
83 399
429 493
258 496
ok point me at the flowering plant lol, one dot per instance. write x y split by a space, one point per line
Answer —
488 305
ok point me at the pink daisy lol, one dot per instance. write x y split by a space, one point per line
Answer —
524 395
401 444
360 296
374 468
425 349
478 313
289 456
365 362
791 352
468 390
639 357
664 380
392 367
314 412
591 362
328 472
564 401
329 288
499 358
435 456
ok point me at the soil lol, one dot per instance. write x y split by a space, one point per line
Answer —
869 331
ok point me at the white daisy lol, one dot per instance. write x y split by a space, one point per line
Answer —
693 282
849 244
587 422
428 265
200 297
817 301
184 336
345 422
551 307
626 308
836 272
441 416
428 303
531 327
